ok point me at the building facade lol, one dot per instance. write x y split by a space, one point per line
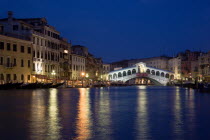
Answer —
174 65
204 67
106 70
50 52
15 60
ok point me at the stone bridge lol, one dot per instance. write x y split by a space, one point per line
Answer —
140 70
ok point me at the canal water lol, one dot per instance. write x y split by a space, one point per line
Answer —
138 112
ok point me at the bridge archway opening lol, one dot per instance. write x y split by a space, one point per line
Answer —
129 72
124 73
157 73
167 75
133 71
115 76
139 81
110 77
153 72
148 71
119 74
162 74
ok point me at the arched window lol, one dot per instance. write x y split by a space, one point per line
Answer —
148 71
124 73
133 71
157 73
110 77
162 74
153 72
119 74
115 76
167 75
172 77
129 72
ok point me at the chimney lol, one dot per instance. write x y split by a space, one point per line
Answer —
10 14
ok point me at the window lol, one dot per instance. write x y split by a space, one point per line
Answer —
15 63
14 47
15 77
15 27
1 60
22 63
8 46
22 49
1 45
29 63
29 50
29 77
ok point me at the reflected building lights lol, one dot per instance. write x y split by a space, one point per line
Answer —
142 116
53 120
84 122
38 117
178 130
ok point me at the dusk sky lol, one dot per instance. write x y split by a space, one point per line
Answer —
123 29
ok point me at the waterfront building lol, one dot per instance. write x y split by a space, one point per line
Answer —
204 66
78 66
174 65
15 59
160 62
48 47
189 66
106 70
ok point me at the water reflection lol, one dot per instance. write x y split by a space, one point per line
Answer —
142 114
38 115
53 119
178 124
104 115
83 122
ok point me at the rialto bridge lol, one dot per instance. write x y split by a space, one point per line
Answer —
140 70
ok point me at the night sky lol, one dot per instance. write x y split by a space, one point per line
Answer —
123 29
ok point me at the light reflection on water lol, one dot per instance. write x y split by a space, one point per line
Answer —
139 112
142 114
83 123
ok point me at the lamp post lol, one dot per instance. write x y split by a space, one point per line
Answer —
83 74
53 73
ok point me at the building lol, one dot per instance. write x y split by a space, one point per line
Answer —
106 70
15 60
189 70
204 67
49 50
160 62
174 65
78 66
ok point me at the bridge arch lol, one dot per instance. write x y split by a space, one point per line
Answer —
162 74
157 73
115 76
133 71
129 72
167 75
110 77
153 72
148 71
119 74
124 73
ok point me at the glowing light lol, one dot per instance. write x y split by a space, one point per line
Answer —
66 51
83 74
53 72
